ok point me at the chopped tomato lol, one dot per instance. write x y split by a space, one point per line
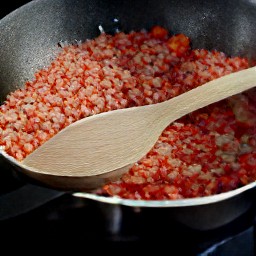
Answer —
159 32
179 44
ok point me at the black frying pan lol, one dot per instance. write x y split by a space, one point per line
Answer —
30 35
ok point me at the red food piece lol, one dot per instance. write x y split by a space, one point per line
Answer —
179 44
159 32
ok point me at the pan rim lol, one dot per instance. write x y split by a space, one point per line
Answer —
17 10
206 200
114 200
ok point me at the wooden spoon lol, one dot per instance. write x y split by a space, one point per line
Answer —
103 143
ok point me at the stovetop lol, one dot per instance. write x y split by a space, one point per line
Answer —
31 213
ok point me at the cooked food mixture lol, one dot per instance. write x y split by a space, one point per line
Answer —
207 152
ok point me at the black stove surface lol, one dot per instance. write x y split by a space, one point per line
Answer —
68 220
30 213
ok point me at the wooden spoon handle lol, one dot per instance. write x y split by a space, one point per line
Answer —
206 94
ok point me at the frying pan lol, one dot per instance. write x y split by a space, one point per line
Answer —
29 39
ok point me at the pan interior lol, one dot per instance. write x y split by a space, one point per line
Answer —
30 36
